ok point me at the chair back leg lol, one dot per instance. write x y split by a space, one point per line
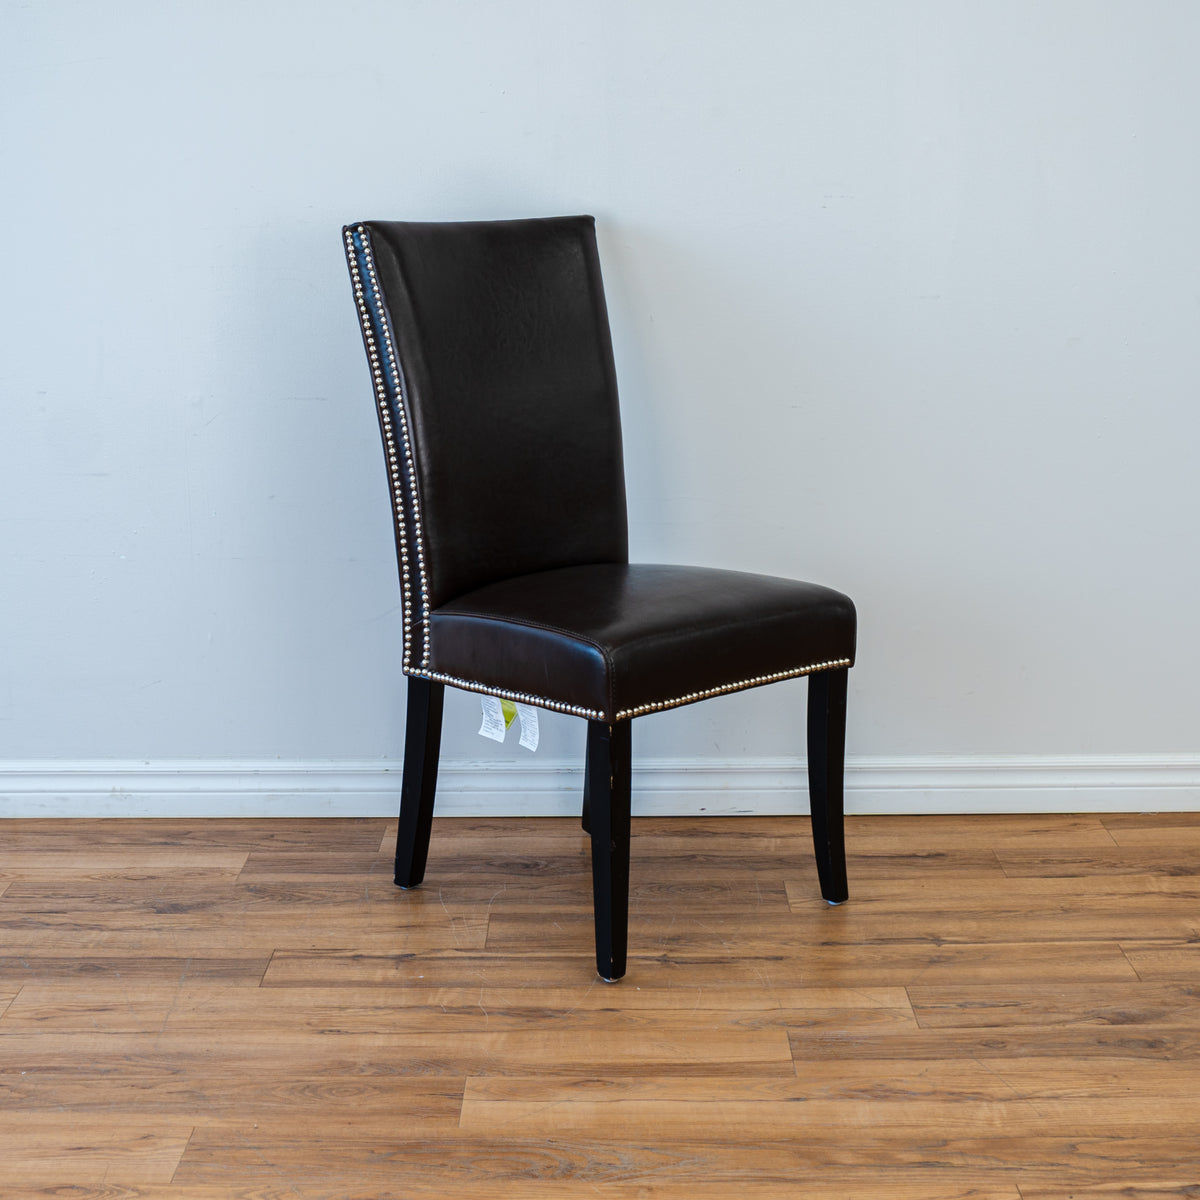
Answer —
826 769
609 752
422 743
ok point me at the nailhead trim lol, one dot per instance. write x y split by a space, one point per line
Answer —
525 698
659 705
358 242
592 714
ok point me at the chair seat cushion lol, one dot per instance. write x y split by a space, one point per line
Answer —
611 641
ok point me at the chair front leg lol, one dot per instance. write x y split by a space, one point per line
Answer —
609 753
422 742
826 770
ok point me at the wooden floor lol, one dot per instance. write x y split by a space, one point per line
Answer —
1006 1008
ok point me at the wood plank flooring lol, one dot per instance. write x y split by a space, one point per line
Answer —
1008 1008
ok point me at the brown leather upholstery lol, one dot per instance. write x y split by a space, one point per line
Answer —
501 340
496 336
613 641
496 391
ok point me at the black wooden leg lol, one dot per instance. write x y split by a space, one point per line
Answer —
609 753
422 741
587 777
826 768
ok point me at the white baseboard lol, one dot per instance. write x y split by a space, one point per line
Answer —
665 787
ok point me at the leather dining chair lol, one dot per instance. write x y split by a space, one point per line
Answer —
494 381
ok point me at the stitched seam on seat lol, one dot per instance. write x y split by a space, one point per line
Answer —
740 685
737 622
472 685
524 621
579 637
359 240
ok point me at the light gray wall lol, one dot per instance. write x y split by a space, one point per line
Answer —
905 299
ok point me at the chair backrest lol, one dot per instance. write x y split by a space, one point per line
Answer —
493 371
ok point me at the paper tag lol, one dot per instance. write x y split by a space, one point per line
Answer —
494 725
499 714
529 726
